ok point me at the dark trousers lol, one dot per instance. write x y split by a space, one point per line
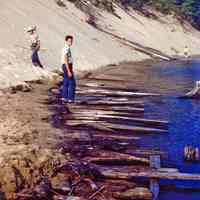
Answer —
35 59
69 86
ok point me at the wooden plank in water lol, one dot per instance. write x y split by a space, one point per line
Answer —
150 174
91 123
146 153
114 93
125 109
105 86
112 103
134 129
97 112
102 116
125 160
115 137
115 127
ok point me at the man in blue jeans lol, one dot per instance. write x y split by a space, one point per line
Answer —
69 84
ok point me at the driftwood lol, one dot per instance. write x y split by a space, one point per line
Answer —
134 129
146 153
123 109
195 92
115 137
151 174
110 157
134 194
111 115
137 104
101 125
96 85
84 112
114 93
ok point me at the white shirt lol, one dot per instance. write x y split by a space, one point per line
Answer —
66 52
34 38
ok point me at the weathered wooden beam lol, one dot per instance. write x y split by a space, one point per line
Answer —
114 93
151 175
103 117
134 129
146 153
91 123
97 113
111 157
111 127
137 104
134 194
115 137
97 85
124 109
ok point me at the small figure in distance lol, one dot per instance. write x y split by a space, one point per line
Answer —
35 46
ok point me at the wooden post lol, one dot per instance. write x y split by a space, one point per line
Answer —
154 183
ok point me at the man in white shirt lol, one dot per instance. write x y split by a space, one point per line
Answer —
35 46
69 83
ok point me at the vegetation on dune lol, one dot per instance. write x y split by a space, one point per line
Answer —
182 9
186 9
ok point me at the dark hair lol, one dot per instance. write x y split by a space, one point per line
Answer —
68 37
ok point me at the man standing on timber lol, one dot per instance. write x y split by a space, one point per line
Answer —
35 46
69 84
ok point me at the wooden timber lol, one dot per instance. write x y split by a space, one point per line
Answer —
138 104
114 93
116 127
151 174
116 115
119 109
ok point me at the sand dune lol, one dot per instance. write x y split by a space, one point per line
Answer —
93 48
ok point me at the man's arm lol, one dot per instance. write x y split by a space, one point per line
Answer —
69 72
38 45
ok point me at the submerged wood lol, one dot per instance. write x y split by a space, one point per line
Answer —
151 175
195 92
146 153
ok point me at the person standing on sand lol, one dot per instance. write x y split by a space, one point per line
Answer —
35 46
69 83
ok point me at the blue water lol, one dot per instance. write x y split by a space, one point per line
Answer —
184 121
